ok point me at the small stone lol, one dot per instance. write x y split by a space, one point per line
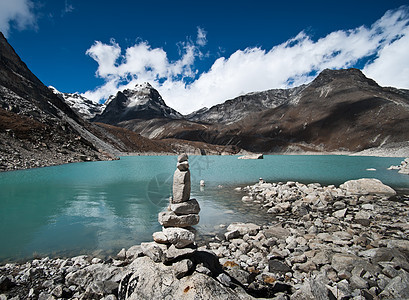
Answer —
340 213
276 266
182 157
160 237
232 234
181 268
224 279
134 252
122 254
176 253
358 282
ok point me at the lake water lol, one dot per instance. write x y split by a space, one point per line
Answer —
98 208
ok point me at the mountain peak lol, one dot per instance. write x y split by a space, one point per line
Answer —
141 102
328 75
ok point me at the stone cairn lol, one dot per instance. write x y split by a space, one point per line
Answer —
177 237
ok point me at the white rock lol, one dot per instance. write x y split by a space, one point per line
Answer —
179 237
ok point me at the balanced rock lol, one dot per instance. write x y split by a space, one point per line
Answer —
189 207
179 237
170 219
182 157
181 186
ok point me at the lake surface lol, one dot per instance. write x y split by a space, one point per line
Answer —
98 208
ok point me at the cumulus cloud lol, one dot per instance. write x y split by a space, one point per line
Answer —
295 62
16 14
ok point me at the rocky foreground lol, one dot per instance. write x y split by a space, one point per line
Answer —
323 243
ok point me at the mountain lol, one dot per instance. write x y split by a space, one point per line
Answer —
81 105
37 128
236 109
340 110
143 102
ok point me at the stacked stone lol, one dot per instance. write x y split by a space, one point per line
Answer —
176 237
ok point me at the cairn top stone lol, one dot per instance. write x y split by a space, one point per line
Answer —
182 157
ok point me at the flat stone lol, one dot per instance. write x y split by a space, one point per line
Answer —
160 237
170 219
276 266
185 208
182 157
244 228
183 166
181 186
174 253
368 186
276 232
339 213
134 252
179 237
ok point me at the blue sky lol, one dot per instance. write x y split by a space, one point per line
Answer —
200 53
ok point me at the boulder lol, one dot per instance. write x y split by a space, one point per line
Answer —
170 219
185 208
179 237
157 281
181 186
368 186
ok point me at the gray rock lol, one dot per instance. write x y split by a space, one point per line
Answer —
244 228
224 279
188 207
339 214
155 251
80 278
121 254
170 219
344 262
157 281
181 268
357 282
397 288
174 253
179 237
277 266
367 186
134 252
229 235
160 237
276 232
181 186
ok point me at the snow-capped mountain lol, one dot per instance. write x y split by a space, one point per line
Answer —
81 105
142 102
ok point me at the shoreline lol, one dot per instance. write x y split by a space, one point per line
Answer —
320 240
397 152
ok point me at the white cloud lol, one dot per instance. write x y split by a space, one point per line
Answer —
16 13
253 69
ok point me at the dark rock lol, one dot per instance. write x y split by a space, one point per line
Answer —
276 266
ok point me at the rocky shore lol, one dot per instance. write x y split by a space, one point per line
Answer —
323 242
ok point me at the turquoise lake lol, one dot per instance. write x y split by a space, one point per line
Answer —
97 208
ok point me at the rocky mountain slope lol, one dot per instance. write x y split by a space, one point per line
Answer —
240 107
37 128
341 110
81 105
